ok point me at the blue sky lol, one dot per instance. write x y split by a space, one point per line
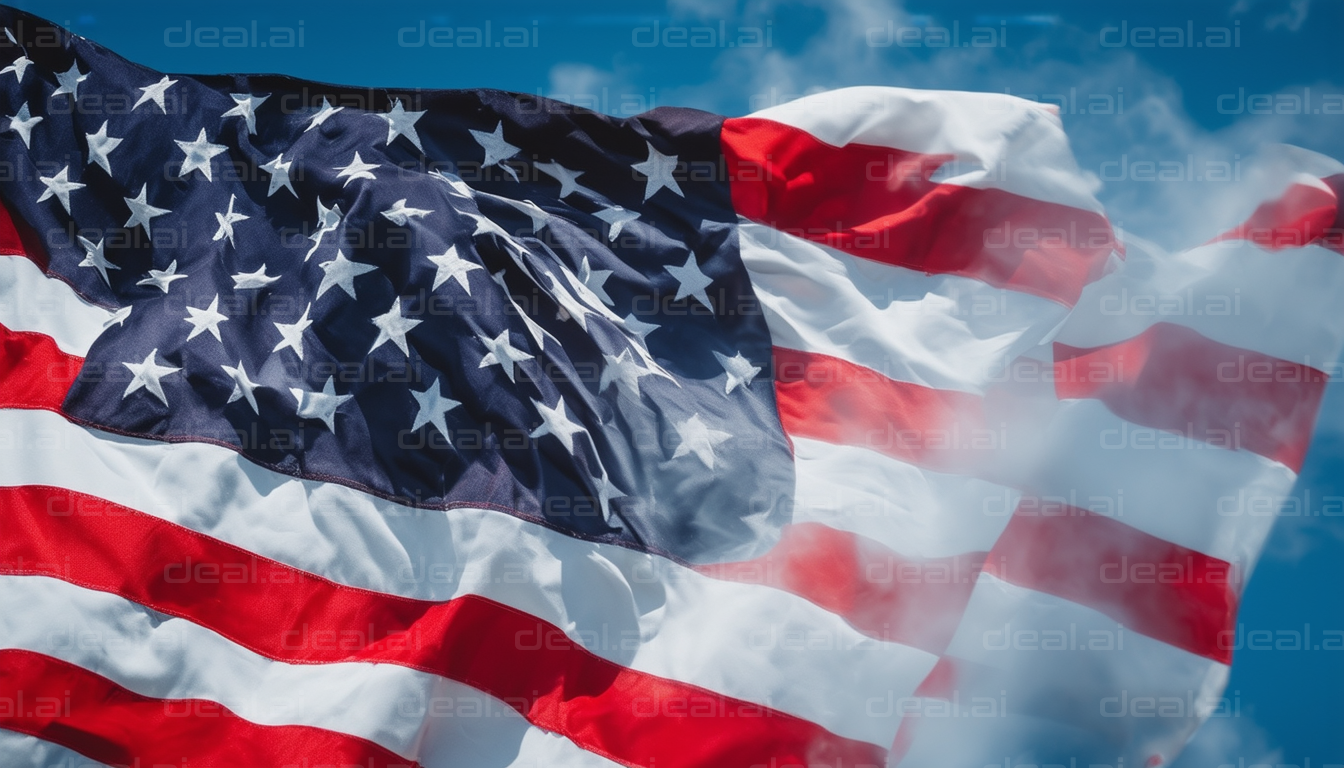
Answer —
1182 101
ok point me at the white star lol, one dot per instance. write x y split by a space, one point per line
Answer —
22 123
119 317
698 438
456 185
452 267
393 327
433 408
279 170
245 106
400 214
19 67
640 331
585 294
141 211
342 272
356 169
242 386
624 372
584 300
147 375
691 281
538 216
162 278
555 421
93 257
69 81
640 328
570 306
486 226
322 114
402 123
207 319
327 221
616 218
292 333
596 280
502 353
739 370
226 221
100 146
259 279
606 491
497 150
567 178
658 168
155 94
328 218
197 155
320 405
537 333
59 187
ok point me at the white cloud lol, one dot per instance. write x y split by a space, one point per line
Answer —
1292 18
702 9
1228 741
570 78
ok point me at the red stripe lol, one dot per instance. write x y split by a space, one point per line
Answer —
905 738
877 591
68 705
19 239
290 615
1302 215
836 401
1160 589
34 372
878 203
1172 378
941 681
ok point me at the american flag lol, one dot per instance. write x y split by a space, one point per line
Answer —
388 428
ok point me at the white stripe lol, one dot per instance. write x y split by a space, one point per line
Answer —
1203 497
31 301
1000 141
1054 660
170 658
940 331
638 610
914 511
23 751
1284 304
469 744
1286 159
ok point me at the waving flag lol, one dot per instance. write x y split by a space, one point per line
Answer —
379 427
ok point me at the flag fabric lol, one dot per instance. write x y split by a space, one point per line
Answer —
377 427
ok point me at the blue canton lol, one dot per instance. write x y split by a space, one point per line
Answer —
446 298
